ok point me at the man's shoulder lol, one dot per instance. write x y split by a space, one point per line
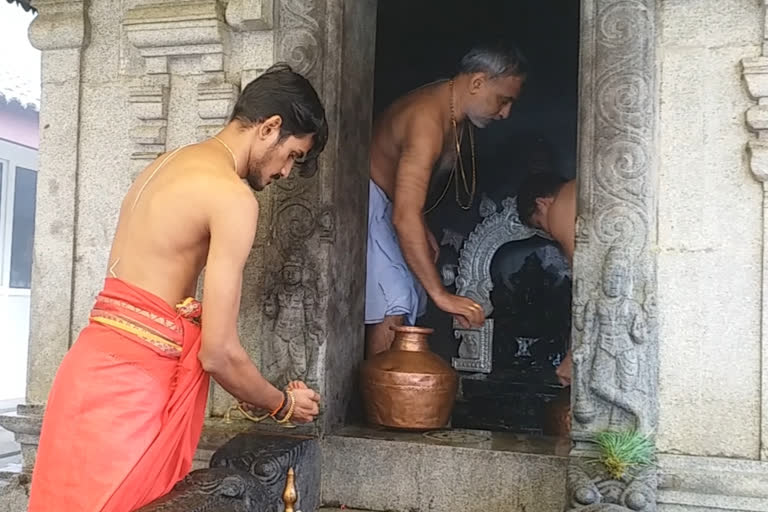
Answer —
225 195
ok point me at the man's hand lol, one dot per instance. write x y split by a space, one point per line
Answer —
433 245
466 311
306 402
564 371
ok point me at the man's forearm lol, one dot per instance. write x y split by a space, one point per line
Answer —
412 235
239 376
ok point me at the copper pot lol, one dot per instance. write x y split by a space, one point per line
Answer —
408 386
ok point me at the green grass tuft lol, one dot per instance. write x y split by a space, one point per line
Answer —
621 452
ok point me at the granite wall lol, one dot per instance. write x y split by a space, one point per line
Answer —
709 232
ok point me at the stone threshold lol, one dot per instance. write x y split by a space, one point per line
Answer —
451 469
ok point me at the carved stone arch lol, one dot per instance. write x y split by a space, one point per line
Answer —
474 278
496 229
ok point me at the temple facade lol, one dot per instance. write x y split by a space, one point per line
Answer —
669 304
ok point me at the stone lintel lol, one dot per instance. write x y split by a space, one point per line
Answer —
178 29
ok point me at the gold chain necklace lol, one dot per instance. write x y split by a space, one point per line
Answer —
234 160
458 164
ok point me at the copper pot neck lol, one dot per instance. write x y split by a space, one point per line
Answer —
411 339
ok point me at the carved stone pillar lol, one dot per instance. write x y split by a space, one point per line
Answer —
311 247
60 31
615 340
755 73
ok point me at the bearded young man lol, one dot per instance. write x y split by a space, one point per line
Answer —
126 409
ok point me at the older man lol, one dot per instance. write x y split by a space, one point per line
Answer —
419 134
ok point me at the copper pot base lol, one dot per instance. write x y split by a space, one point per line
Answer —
408 387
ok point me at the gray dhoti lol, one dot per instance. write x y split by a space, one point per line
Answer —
390 289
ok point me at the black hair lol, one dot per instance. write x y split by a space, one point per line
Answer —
534 186
283 92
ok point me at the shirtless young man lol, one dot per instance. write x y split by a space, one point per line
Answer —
129 397
414 137
547 202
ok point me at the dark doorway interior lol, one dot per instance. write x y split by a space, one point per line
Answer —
420 41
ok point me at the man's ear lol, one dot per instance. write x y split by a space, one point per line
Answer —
476 81
270 126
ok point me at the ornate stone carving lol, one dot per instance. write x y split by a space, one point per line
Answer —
215 490
755 73
614 228
292 305
497 229
611 374
179 28
268 458
296 300
248 473
299 36
474 278
475 347
590 489
245 15
149 104
452 239
615 337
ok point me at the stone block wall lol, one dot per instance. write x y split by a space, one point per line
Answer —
709 232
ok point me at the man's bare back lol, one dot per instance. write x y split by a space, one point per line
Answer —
562 218
162 238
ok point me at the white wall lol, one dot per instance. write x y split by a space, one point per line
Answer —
709 232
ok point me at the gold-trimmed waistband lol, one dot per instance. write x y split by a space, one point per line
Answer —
165 345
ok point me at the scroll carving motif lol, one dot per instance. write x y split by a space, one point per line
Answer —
299 36
615 334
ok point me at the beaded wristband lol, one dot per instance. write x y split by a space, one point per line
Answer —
288 414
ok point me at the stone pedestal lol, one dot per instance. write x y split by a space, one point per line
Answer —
248 474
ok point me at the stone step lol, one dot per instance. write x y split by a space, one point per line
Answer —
449 470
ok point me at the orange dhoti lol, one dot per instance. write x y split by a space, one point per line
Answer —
126 409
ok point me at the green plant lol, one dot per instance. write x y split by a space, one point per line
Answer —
621 452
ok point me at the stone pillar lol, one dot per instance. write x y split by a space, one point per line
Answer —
309 256
60 32
755 73
615 339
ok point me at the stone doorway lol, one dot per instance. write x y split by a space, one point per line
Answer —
521 279
614 310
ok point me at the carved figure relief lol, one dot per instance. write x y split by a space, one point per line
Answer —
610 356
292 305
295 303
